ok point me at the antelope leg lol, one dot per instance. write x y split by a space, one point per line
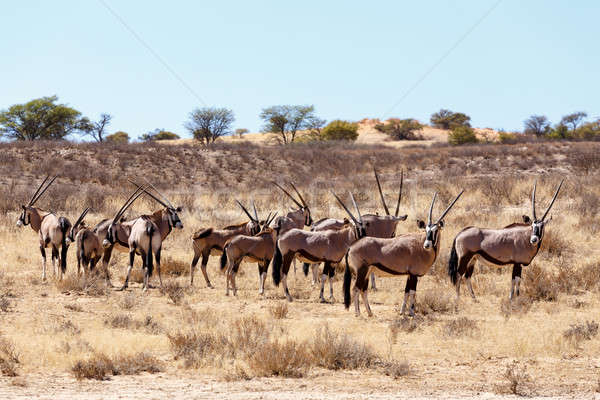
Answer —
315 273
43 251
366 301
129 268
323 279
373 286
356 301
406 291
471 289
157 258
285 287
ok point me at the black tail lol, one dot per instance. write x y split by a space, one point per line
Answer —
224 257
65 225
453 264
277 261
305 268
149 264
347 282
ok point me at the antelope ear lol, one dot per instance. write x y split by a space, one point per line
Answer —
441 224
526 219
346 221
403 217
179 209
421 224
122 219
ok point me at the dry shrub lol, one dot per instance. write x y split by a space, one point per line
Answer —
173 290
577 333
396 369
173 267
288 359
5 303
539 284
91 286
555 245
461 327
123 321
406 324
431 302
196 348
100 367
74 307
518 306
69 327
279 310
333 350
517 379
128 301
9 358
246 334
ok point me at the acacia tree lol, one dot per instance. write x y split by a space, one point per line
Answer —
241 132
40 119
573 120
446 119
537 125
97 130
401 129
159 134
210 123
118 137
287 120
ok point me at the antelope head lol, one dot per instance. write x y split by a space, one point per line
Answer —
300 203
254 225
170 209
385 207
265 224
111 234
433 229
77 226
360 227
25 217
538 225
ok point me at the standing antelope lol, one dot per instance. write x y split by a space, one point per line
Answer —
311 247
210 240
52 229
165 220
515 244
380 226
89 248
410 254
295 218
143 238
258 248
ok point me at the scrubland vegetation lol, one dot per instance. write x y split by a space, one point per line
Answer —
544 343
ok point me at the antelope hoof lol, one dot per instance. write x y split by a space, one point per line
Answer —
109 284
289 298
209 285
323 301
122 288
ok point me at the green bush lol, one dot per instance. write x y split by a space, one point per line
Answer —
160 134
340 130
401 129
507 137
462 135
560 132
446 119
589 130
118 137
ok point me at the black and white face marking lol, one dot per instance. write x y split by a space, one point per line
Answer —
432 232
174 218
111 234
24 218
537 231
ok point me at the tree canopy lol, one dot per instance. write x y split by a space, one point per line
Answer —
210 123
446 119
537 125
41 119
400 129
340 130
159 134
286 120
118 137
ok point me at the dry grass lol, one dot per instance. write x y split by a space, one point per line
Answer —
461 327
9 357
333 350
577 333
517 379
101 367
279 310
174 291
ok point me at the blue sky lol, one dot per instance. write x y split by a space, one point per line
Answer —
351 59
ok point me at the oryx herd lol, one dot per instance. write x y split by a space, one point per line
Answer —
364 245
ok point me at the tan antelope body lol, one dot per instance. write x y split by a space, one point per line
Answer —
327 246
212 241
89 248
52 230
410 254
515 244
258 248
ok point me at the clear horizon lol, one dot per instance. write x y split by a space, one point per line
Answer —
351 60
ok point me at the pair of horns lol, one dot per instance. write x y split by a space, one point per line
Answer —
385 207
356 222
252 218
551 203
138 192
81 217
39 192
164 202
270 219
430 217
301 203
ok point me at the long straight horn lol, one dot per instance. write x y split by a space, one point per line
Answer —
450 206
43 190
255 213
81 217
289 195
399 193
385 207
356 207
431 209
553 199
149 194
345 208
38 190
298 193
272 218
138 192
533 201
168 205
246 211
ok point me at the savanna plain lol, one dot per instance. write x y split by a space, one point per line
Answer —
76 339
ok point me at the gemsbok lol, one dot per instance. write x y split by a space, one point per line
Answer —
410 254
379 226
258 248
515 244
212 241
89 249
315 247
294 218
143 238
51 228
